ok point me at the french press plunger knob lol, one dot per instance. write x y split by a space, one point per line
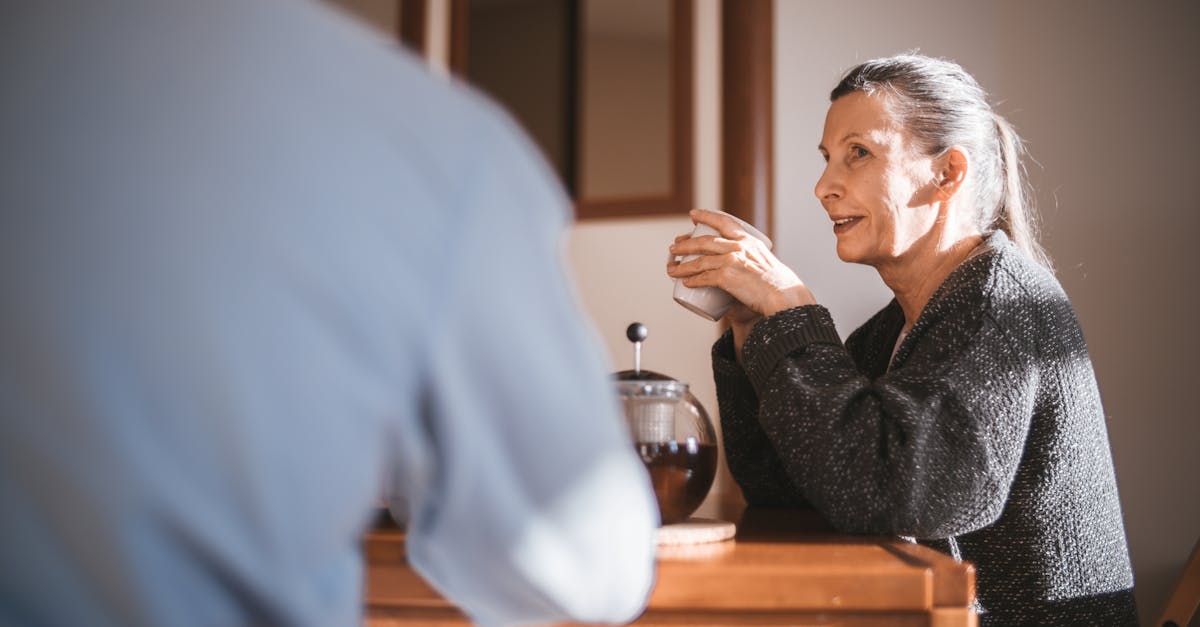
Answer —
637 333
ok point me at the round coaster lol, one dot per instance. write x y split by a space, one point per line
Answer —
695 531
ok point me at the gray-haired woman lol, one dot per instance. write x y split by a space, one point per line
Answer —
965 414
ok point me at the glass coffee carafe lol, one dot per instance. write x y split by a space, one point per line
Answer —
672 433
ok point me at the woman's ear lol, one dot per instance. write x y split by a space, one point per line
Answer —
951 172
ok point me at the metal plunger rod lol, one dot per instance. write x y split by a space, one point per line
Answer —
637 333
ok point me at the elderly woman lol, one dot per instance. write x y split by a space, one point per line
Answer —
965 414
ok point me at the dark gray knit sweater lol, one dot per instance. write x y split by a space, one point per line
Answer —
985 439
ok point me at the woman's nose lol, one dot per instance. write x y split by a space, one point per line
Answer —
829 186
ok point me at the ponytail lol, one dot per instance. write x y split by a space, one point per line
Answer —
1014 212
942 106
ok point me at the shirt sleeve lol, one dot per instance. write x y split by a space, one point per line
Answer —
928 449
530 504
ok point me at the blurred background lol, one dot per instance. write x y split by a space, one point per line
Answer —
630 100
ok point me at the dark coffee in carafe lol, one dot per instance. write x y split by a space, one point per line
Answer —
682 473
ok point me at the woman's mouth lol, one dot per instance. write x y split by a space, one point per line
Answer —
841 225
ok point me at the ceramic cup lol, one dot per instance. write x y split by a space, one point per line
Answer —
710 302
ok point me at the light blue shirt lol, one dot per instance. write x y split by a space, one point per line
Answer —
258 267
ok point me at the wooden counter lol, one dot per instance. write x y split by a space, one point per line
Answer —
785 567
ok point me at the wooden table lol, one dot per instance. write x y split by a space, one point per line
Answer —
785 567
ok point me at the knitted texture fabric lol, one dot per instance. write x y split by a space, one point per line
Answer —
985 439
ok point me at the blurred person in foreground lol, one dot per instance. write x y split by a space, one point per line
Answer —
256 264
965 415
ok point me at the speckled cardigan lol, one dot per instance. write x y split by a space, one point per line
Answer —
985 439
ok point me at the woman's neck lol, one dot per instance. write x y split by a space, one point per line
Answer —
916 275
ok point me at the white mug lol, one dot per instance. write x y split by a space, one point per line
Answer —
710 302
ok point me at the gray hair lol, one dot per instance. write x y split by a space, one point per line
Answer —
941 105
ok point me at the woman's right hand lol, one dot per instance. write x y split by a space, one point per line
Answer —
738 263
741 321
740 318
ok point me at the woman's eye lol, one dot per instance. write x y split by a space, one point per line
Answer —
858 152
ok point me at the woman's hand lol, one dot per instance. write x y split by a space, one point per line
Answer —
742 265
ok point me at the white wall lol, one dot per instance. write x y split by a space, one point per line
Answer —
1106 95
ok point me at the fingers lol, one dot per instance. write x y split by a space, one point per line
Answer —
697 278
703 245
725 225
704 264
730 238
720 277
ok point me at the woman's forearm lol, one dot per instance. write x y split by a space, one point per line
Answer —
740 332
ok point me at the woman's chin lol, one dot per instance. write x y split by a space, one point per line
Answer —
849 254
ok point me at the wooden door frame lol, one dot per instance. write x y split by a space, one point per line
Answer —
747 111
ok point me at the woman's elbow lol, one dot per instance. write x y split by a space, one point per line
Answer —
971 511
926 518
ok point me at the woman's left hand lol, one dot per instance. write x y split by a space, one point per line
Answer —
740 264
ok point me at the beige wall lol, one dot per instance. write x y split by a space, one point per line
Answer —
625 147
1105 94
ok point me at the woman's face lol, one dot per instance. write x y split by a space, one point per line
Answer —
877 188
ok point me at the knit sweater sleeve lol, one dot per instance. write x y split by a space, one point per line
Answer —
752 460
928 449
